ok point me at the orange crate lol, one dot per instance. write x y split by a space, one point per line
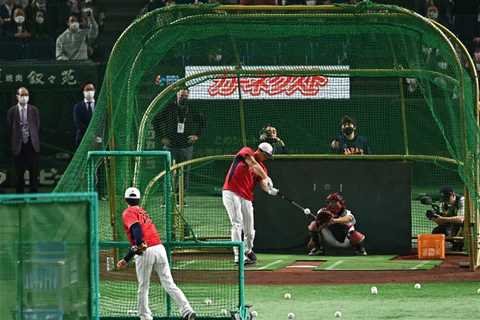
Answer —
431 246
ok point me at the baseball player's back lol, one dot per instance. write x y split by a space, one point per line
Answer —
136 214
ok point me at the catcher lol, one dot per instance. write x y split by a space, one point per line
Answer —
335 226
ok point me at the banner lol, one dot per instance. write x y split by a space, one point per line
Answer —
274 87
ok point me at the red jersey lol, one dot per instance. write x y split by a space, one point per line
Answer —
240 178
136 214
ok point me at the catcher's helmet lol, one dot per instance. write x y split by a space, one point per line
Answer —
335 196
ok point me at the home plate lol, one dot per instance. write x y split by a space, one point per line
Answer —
305 264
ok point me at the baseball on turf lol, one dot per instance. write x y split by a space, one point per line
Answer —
287 296
338 314
208 301
291 316
417 286
224 312
374 290
478 291
254 313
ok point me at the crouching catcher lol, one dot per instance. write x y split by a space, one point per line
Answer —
335 226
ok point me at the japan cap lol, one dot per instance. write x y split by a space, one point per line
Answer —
266 148
132 193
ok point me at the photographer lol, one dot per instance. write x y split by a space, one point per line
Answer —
449 215
269 134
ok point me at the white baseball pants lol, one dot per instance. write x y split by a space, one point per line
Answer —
156 258
330 239
240 212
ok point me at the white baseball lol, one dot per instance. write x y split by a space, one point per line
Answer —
417 286
287 296
98 139
306 211
338 314
374 290
208 301
478 291
224 312
254 313
291 316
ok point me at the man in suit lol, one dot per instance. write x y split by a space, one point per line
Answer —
83 111
23 123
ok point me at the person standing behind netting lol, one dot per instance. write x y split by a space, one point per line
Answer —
23 125
349 142
270 134
179 127
150 254
246 170
83 112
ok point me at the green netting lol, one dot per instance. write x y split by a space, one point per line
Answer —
47 253
206 273
407 81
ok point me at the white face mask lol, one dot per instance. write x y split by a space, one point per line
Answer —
89 95
74 26
40 20
19 19
23 100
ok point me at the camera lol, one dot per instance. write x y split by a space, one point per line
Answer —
431 213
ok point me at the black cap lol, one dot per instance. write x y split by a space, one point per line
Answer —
445 192
348 119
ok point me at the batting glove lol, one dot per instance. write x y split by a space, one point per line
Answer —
272 191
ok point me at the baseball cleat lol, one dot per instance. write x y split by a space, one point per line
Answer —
248 261
251 255
191 316
316 252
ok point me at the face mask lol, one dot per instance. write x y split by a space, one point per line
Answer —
89 95
40 20
74 26
218 57
19 19
23 100
432 13
347 131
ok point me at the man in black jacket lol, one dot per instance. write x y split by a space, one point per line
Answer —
83 112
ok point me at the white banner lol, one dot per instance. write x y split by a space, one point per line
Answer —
275 87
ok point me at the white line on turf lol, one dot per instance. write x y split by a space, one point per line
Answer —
302 266
334 265
270 264
421 264
183 264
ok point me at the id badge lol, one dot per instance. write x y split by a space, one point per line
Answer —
180 127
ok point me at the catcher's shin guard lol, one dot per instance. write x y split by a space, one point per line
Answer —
356 240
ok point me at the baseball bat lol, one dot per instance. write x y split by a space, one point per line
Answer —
294 203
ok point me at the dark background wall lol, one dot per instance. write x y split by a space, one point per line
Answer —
377 193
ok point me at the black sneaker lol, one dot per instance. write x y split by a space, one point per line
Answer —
316 252
249 261
251 256
191 316
361 251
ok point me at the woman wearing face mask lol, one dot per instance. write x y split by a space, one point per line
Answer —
349 142
17 28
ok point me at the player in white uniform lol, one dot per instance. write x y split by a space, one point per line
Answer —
149 254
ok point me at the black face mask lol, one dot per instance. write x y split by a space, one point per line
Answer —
347 131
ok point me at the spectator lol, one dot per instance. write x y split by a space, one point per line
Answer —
83 111
17 28
269 134
179 128
72 43
39 26
349 142
450 220
6 12
23 123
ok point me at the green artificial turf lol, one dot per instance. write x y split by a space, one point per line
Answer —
394 301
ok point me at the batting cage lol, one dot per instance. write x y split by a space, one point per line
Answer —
204 271
49 254
407 83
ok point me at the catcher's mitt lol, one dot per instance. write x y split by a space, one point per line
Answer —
140 249
324 217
